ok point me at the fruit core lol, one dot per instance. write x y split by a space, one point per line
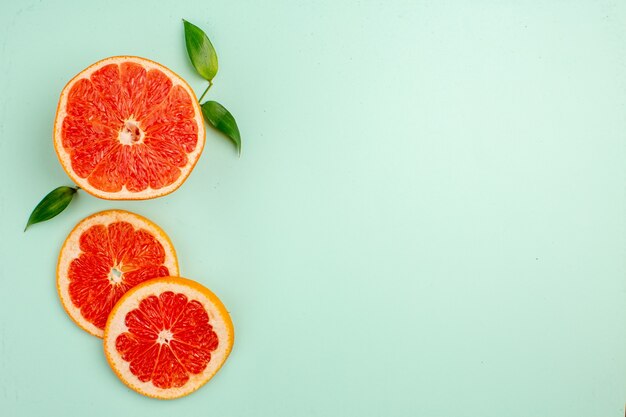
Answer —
115 276
131 133
164 336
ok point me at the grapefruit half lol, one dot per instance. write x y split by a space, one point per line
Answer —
103 257
167 337
128 128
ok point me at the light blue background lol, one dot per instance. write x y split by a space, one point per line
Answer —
428 217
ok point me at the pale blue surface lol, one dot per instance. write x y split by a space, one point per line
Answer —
428 217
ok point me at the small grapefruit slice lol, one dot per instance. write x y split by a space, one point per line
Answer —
128 128
167 337
103 257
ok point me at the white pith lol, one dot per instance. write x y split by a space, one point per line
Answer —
164 337
71 250
218 318
124 193
126 135
116 275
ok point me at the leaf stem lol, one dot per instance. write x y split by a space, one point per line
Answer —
205 91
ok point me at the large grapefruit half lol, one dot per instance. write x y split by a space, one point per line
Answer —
128 128
103 257
167 337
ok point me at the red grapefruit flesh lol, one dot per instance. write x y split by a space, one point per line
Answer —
167 337
128 128
103 257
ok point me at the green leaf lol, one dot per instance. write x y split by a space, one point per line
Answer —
222 120
55 202
200 50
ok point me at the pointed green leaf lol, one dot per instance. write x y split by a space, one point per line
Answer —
55 202
200 50
222 120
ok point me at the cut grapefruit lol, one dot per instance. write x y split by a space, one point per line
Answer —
103 257
167 337
128 128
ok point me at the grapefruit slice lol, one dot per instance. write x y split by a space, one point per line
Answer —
167 337
128 128
103 257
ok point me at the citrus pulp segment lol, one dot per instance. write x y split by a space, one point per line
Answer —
128 128
103 257
167 337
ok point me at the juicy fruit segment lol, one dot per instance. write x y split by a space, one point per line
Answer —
113 259
124 105
128 128
167 337
105 256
